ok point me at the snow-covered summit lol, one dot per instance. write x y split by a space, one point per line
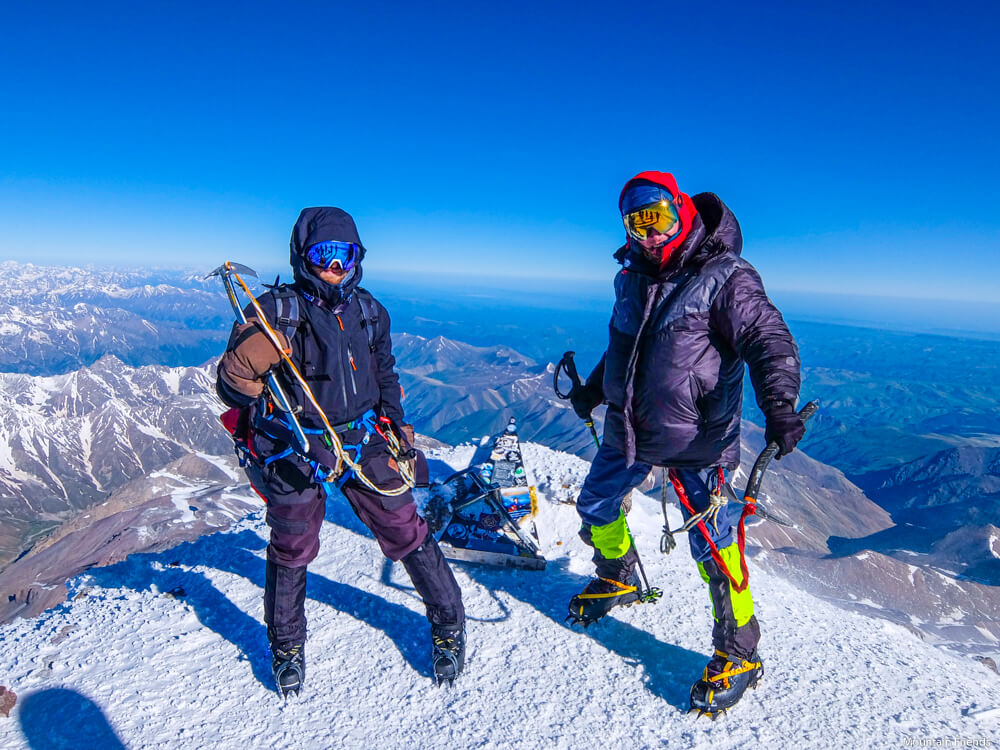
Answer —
168 650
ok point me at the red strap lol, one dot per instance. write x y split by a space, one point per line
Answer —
230 420
748 510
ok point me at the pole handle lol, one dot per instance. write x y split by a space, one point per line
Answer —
567 364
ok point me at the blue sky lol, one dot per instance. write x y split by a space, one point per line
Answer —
855 142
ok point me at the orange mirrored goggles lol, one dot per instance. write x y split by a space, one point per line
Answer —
656 218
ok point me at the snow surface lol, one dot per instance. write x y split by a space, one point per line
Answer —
123 660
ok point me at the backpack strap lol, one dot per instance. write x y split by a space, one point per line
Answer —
288 313
369 318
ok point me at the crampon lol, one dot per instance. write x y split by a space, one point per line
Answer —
289 668
723 683
447 655
601 595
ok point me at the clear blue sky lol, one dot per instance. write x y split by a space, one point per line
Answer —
856 142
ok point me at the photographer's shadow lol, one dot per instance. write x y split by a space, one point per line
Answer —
60 717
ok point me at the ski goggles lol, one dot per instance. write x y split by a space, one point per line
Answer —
648 210
327 254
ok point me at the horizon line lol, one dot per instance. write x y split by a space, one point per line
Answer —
450 274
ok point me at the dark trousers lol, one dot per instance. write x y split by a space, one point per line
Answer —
296 506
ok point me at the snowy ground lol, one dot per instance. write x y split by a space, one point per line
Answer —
123 662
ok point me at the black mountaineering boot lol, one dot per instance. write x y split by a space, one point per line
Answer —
447 654
289 667
723 683
284 614
616 585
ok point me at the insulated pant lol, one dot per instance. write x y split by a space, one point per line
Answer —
296 506
599 504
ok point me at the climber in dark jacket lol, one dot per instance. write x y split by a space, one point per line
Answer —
689 314
338 338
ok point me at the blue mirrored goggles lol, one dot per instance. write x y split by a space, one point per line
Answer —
327 254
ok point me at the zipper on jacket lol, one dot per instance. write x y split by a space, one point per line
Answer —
350 358
343 374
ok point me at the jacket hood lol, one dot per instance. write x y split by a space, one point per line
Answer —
322 224
722 231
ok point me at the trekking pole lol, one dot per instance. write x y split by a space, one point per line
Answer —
225 272
567 364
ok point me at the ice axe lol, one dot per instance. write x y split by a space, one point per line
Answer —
667 542
226 272
567 364
769 452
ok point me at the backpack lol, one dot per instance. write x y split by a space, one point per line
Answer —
288 315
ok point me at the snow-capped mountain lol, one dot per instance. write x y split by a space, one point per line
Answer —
68 441
93 454
169 650
75 441
55 320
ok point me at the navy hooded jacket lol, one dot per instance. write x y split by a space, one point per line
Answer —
678 340
330 346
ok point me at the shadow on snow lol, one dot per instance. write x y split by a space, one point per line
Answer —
59 718
668 669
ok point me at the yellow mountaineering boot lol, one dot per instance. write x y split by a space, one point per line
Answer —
735 634
723 683
616 583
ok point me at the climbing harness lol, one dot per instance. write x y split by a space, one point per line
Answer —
344 466
718 489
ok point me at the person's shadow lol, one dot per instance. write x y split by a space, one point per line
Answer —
59 718
239 554
668 669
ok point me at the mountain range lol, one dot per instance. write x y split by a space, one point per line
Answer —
55 320
907 530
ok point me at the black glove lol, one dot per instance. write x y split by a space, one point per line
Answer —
588 396
783 426
585 398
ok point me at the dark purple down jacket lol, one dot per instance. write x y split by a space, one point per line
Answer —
679 337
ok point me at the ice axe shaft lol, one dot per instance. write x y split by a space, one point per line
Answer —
567 364
761 464
225 272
